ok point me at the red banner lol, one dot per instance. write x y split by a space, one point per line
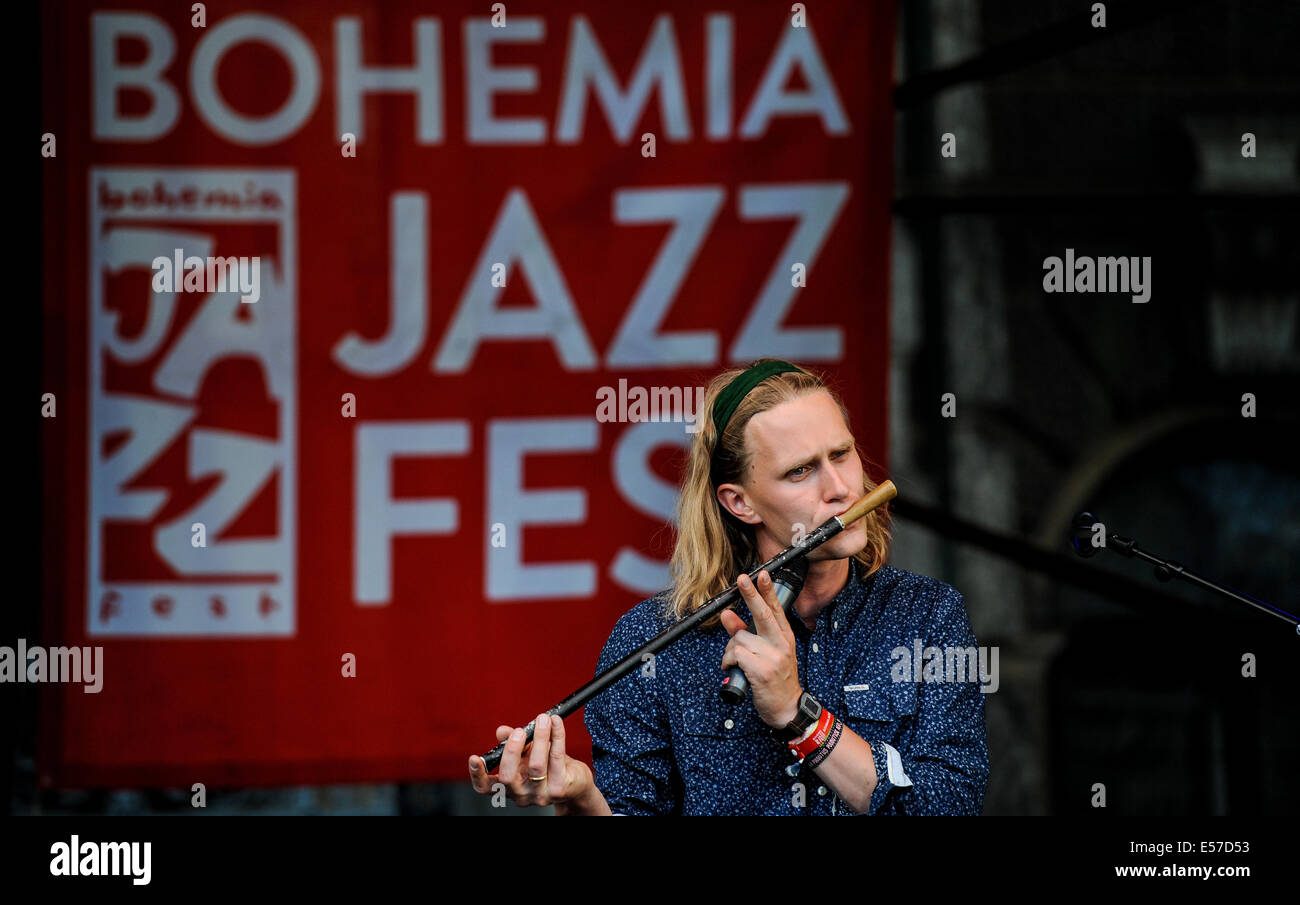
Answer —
334 292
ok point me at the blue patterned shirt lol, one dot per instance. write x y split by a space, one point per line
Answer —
664 741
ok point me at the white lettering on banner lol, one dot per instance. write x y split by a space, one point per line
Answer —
355 80
797 49
717 76
648 493
506 577
484 80
638 340
377 516
137 214
150 428
518 237
586 72
408 279
109 75
214 595
816 207
293 48
586 68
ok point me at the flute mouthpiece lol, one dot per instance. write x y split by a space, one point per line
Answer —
883 493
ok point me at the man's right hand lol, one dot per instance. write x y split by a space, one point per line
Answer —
561 780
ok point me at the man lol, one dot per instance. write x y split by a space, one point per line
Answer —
833 725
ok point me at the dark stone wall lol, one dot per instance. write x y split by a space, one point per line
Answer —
1124 141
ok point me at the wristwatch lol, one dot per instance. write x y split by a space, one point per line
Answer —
807 714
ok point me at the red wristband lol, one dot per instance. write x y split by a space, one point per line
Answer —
814 741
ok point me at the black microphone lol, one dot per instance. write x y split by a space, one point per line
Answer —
788 582
1081 539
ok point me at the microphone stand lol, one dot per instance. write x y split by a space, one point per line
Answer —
1166 569
828 529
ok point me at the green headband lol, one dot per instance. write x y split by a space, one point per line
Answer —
729 399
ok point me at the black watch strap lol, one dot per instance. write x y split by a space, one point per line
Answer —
806 715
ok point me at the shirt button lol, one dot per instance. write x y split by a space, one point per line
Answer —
821 790
730 724
793 769
835 624
814 647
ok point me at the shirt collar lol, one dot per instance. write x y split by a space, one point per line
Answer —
849 598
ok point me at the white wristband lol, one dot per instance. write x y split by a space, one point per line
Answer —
807 734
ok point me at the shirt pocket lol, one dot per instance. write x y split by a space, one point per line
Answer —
881 713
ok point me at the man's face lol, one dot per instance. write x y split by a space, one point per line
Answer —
804 468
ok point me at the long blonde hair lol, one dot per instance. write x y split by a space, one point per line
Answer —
713 546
